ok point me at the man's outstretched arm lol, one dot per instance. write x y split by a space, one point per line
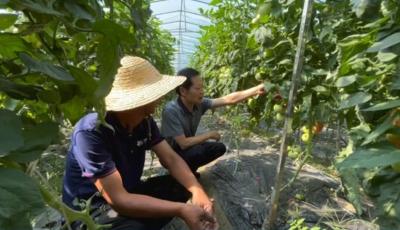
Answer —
237 97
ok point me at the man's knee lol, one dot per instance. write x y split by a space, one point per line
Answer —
216 148
221 148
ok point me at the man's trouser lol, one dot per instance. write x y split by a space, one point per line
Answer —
162 187
202 154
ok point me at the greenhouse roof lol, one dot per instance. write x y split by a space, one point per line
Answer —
182 18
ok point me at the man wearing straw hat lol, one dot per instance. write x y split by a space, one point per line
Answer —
105 162
181 117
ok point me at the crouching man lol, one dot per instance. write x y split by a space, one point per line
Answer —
181 117
105 162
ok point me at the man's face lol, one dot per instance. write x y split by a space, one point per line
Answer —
195 93
151 108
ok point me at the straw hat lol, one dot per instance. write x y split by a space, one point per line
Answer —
138 83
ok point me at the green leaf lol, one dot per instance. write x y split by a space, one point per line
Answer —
50 96
264 8
352 184
40 135
372 157
112 31
10 103
7 20
384 106
396 82
37 6
19 195
108 58
3 2
10 203
355 99
74 109
385 43
268 86
354 44
345 81
10 132
19 91
215 2
285 62
381 129
320 89
37 139
11 44
262 34
50 70
79 12
18 221
386 56
86 83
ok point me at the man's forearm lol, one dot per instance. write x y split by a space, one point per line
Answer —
239 96
191 141
142 206
134 205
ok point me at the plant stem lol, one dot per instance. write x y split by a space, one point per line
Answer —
269 222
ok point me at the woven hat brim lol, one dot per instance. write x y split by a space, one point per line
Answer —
121 100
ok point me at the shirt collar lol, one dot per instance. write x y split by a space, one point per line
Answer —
112 120
183 106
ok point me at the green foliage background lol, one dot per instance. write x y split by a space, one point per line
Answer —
351 76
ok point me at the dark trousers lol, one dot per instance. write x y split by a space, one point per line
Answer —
162 187
202 154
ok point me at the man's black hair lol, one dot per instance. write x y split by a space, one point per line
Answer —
189 73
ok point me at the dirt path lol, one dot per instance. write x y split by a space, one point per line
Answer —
241 183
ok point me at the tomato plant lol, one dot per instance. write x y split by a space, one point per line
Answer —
351 76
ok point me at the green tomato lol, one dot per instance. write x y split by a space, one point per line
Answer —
305 137
293 154
304 129
278 108
279 117
92 68
252 103
268 53
358 66
259 76
300 196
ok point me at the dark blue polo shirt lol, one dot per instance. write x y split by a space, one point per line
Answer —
97 151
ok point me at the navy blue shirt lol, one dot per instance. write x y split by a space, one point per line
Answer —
97 151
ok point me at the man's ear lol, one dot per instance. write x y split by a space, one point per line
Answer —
182 91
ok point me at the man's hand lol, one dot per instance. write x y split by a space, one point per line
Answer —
197 218
214 135
260 89
200 198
